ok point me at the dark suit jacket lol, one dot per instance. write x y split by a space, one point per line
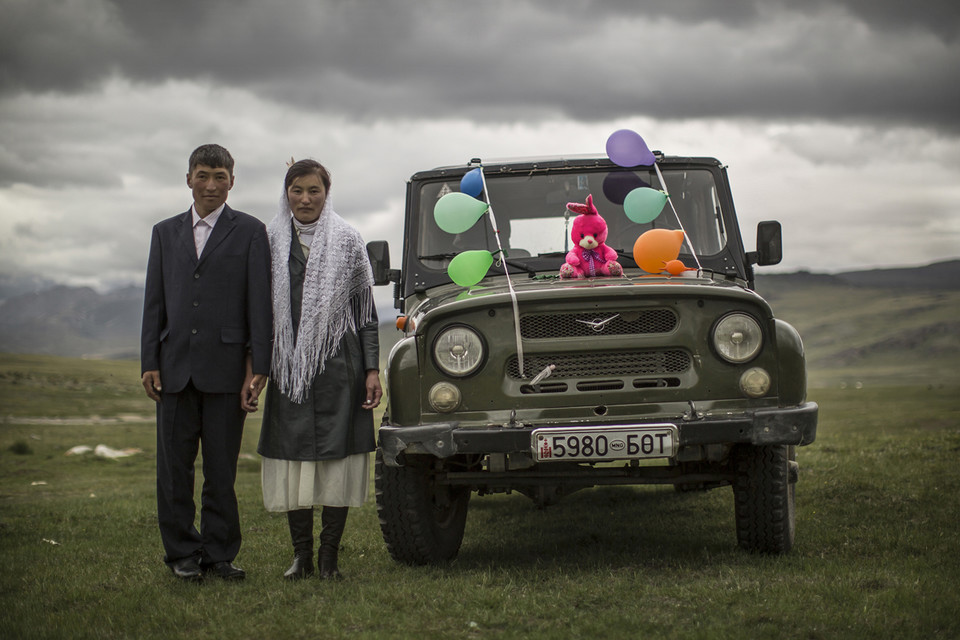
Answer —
200 316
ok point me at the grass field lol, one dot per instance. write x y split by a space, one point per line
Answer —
876 553
874 336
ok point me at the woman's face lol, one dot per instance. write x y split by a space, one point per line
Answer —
306 196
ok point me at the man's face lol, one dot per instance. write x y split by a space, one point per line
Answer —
210 187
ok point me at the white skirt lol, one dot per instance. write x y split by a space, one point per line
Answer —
293 484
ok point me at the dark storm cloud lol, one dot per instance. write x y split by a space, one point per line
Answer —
514 60
942 17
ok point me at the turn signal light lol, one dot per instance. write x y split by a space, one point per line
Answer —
755 382
444 397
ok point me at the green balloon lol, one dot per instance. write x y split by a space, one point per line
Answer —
456 212
643 204
469 268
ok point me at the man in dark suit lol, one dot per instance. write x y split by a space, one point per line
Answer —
205 355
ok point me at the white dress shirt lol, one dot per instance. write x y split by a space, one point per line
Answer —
203 227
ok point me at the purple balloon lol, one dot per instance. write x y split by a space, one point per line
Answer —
472 183
627 149
618 184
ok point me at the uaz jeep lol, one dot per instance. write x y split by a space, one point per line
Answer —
545 386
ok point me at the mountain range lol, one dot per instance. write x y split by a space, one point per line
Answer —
866 319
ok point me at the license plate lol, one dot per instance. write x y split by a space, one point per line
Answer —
605 443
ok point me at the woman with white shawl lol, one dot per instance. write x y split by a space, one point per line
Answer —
318 421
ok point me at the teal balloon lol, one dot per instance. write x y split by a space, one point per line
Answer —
469 267
644 204
456 212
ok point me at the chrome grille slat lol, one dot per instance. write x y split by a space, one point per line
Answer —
573 325
605 364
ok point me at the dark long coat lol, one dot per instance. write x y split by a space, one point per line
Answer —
330 424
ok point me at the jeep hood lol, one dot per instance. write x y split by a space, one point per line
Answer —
494 291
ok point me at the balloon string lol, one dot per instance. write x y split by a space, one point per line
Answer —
663 183
513 294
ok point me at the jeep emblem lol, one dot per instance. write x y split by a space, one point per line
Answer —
597 324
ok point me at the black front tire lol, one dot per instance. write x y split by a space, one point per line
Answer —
422 521
765 498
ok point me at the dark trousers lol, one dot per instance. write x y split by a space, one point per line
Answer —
212 423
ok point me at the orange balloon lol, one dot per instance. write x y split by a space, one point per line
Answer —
655 248
676 267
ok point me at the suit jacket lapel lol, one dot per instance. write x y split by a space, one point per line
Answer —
221 230
185 235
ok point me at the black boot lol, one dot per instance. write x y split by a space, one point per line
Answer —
334 519
301 532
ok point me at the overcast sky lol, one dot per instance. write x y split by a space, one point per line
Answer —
841 119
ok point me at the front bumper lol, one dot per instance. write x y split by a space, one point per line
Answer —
790 425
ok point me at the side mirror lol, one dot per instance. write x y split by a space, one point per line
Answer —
769 243
379 253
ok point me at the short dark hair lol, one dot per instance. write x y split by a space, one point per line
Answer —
302 168
211 155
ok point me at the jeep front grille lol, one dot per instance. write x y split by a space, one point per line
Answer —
572 325
601 364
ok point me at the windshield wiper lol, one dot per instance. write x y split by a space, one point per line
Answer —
531 272
623 254
513 263
629 256
560 254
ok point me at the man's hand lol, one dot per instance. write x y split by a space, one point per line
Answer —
374 391
250 394
151 383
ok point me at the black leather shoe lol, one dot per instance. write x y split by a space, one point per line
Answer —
187 569
327 562
225 570
302 566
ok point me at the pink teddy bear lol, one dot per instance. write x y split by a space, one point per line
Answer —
590 256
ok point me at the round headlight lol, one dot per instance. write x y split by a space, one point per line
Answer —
737 337
458 351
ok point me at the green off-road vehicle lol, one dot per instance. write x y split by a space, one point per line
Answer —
545 386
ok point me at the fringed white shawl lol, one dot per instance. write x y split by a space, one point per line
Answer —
337 297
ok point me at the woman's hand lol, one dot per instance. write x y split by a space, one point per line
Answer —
374 390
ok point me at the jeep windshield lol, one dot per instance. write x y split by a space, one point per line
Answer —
529 204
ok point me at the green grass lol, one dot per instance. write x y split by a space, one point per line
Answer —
876 552
47 386
874 336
